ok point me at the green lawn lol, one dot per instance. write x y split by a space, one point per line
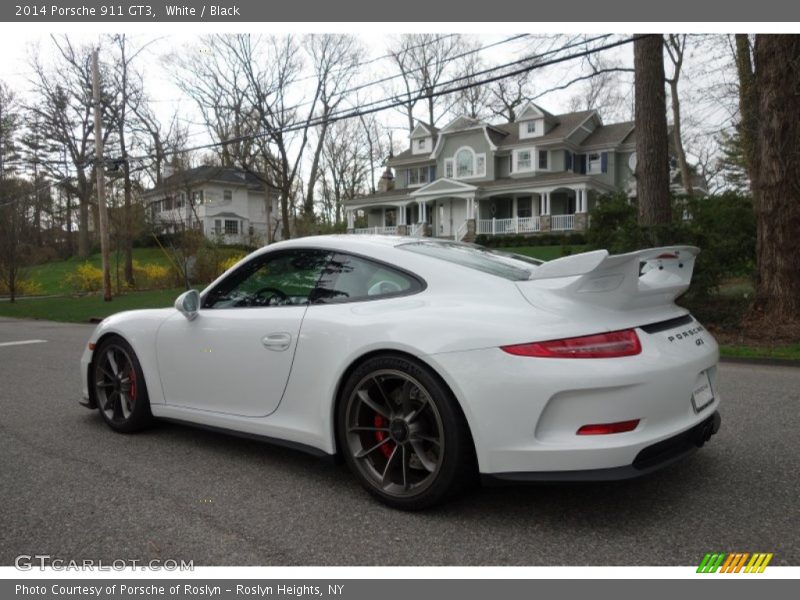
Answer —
545 252
82 308
790 352
51 276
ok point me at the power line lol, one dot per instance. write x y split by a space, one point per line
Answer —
388 78
420 94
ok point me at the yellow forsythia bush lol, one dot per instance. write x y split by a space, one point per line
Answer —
230 261
86 278
25 287
151 276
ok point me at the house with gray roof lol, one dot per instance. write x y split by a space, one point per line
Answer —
541 173
229 205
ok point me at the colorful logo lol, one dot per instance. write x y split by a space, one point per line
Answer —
734 562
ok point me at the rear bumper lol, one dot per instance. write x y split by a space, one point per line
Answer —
649 459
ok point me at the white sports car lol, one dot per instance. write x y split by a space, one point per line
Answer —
423 363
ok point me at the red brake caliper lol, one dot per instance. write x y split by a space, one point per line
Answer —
133 386
388 447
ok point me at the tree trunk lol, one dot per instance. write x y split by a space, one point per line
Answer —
652 171
308 208
686 176
777 183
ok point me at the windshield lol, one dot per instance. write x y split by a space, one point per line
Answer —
514 267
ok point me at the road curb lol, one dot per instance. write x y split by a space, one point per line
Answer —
769 362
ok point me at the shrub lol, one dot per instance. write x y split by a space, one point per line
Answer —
151 276
25 287
722 226
85 278
230 261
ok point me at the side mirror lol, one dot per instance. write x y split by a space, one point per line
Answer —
188 303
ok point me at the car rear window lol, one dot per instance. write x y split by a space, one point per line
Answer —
514 267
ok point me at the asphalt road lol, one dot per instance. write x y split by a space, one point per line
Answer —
71 488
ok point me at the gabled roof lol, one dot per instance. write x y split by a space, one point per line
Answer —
535 108
226 175
564 125
612 134
426 129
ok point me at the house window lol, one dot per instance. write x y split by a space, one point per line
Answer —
180 200
465 163
197 197
543 159
168 203
594 162
531 126
524 207
421 144
218 226
227 195
480 164
524 160
231 227
419 175
448 168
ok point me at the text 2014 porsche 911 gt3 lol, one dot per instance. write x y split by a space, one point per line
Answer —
424 363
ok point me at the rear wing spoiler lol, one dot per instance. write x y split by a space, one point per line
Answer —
633 280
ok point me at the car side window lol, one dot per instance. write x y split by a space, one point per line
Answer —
274 279
348 278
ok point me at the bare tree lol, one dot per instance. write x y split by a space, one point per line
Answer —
652 170
601 87
508 95
675 45
423 60
345 167
335 60
65 108
472 101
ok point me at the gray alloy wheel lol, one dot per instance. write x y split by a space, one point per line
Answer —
119 387
402 434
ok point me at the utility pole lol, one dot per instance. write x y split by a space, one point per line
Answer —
101 177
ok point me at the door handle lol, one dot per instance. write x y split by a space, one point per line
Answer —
277 342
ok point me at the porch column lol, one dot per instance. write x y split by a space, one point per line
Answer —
472 228
515 212
351 220
544 217
581 210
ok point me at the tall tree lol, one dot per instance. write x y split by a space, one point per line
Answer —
335 61
676 50
770 103
423 60
652 165
64 93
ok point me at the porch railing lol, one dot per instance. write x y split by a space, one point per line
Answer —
392 230
513 225
415 230
562 222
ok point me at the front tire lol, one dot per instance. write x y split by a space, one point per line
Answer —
119 386
402 433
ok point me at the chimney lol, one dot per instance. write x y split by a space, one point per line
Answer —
387 180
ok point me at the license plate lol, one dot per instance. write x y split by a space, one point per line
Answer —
703 395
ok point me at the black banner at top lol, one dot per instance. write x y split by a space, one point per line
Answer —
444 11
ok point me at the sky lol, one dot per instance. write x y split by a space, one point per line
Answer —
705 113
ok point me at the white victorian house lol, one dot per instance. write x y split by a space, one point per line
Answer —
227 204
540 173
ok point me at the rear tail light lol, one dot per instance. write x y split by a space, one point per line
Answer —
607 428
601 345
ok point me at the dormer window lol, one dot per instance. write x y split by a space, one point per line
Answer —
531 126
466 163
421 144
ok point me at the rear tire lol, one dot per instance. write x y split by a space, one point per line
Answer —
119 386
402 434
